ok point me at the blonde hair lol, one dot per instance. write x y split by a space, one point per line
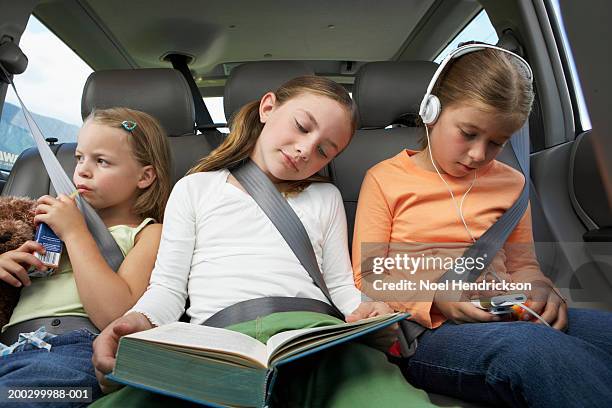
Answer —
246 127
150 147
490 80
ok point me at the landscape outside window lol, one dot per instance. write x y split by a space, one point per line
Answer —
50 87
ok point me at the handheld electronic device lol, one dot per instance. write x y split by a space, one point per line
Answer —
500 304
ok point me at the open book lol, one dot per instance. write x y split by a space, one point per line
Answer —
221 367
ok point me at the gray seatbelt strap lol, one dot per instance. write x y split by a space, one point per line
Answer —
254 308
286 221
494 238
488 244
63 185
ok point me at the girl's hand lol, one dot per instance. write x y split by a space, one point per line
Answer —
61 214
555 313
462 311
368 309
465 312
105 346
381 339
14 264
546 302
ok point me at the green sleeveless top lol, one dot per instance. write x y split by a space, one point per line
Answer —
57 295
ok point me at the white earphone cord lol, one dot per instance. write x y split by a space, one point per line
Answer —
459 208
530 310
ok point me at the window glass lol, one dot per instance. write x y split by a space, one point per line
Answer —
217 113
51 89
479 29
583 112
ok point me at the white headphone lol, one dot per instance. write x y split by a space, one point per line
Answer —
430 105
430 110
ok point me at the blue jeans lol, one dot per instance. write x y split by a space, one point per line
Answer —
67 364
519 363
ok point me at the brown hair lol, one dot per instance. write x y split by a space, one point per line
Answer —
245 126
149 145
491 80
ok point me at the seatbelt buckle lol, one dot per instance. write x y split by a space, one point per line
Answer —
53 250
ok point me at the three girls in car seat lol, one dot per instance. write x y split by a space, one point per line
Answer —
219 248
441 199
123 172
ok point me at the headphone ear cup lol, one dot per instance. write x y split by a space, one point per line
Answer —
431 110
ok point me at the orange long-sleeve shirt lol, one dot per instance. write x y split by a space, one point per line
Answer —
405 209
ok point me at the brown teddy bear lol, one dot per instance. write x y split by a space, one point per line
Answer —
16 227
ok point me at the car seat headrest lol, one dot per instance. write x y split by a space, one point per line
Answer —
161 92
251 80
389 90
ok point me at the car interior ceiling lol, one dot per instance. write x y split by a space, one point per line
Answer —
144 41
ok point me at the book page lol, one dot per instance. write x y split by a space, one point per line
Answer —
286 337
193 336
292 348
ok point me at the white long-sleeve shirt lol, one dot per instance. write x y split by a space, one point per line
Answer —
219 248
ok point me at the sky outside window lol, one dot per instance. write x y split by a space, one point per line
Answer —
479 29
53 82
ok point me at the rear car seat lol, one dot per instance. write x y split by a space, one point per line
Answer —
163 93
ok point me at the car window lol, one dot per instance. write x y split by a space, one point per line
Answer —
214 105
217 113
51 89
583 114
479 29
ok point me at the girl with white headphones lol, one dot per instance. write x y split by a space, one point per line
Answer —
449 194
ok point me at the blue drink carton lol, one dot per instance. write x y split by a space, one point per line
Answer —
53 246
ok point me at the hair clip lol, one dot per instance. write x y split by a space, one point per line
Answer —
129 125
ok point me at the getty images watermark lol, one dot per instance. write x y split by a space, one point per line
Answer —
404 263
414 271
